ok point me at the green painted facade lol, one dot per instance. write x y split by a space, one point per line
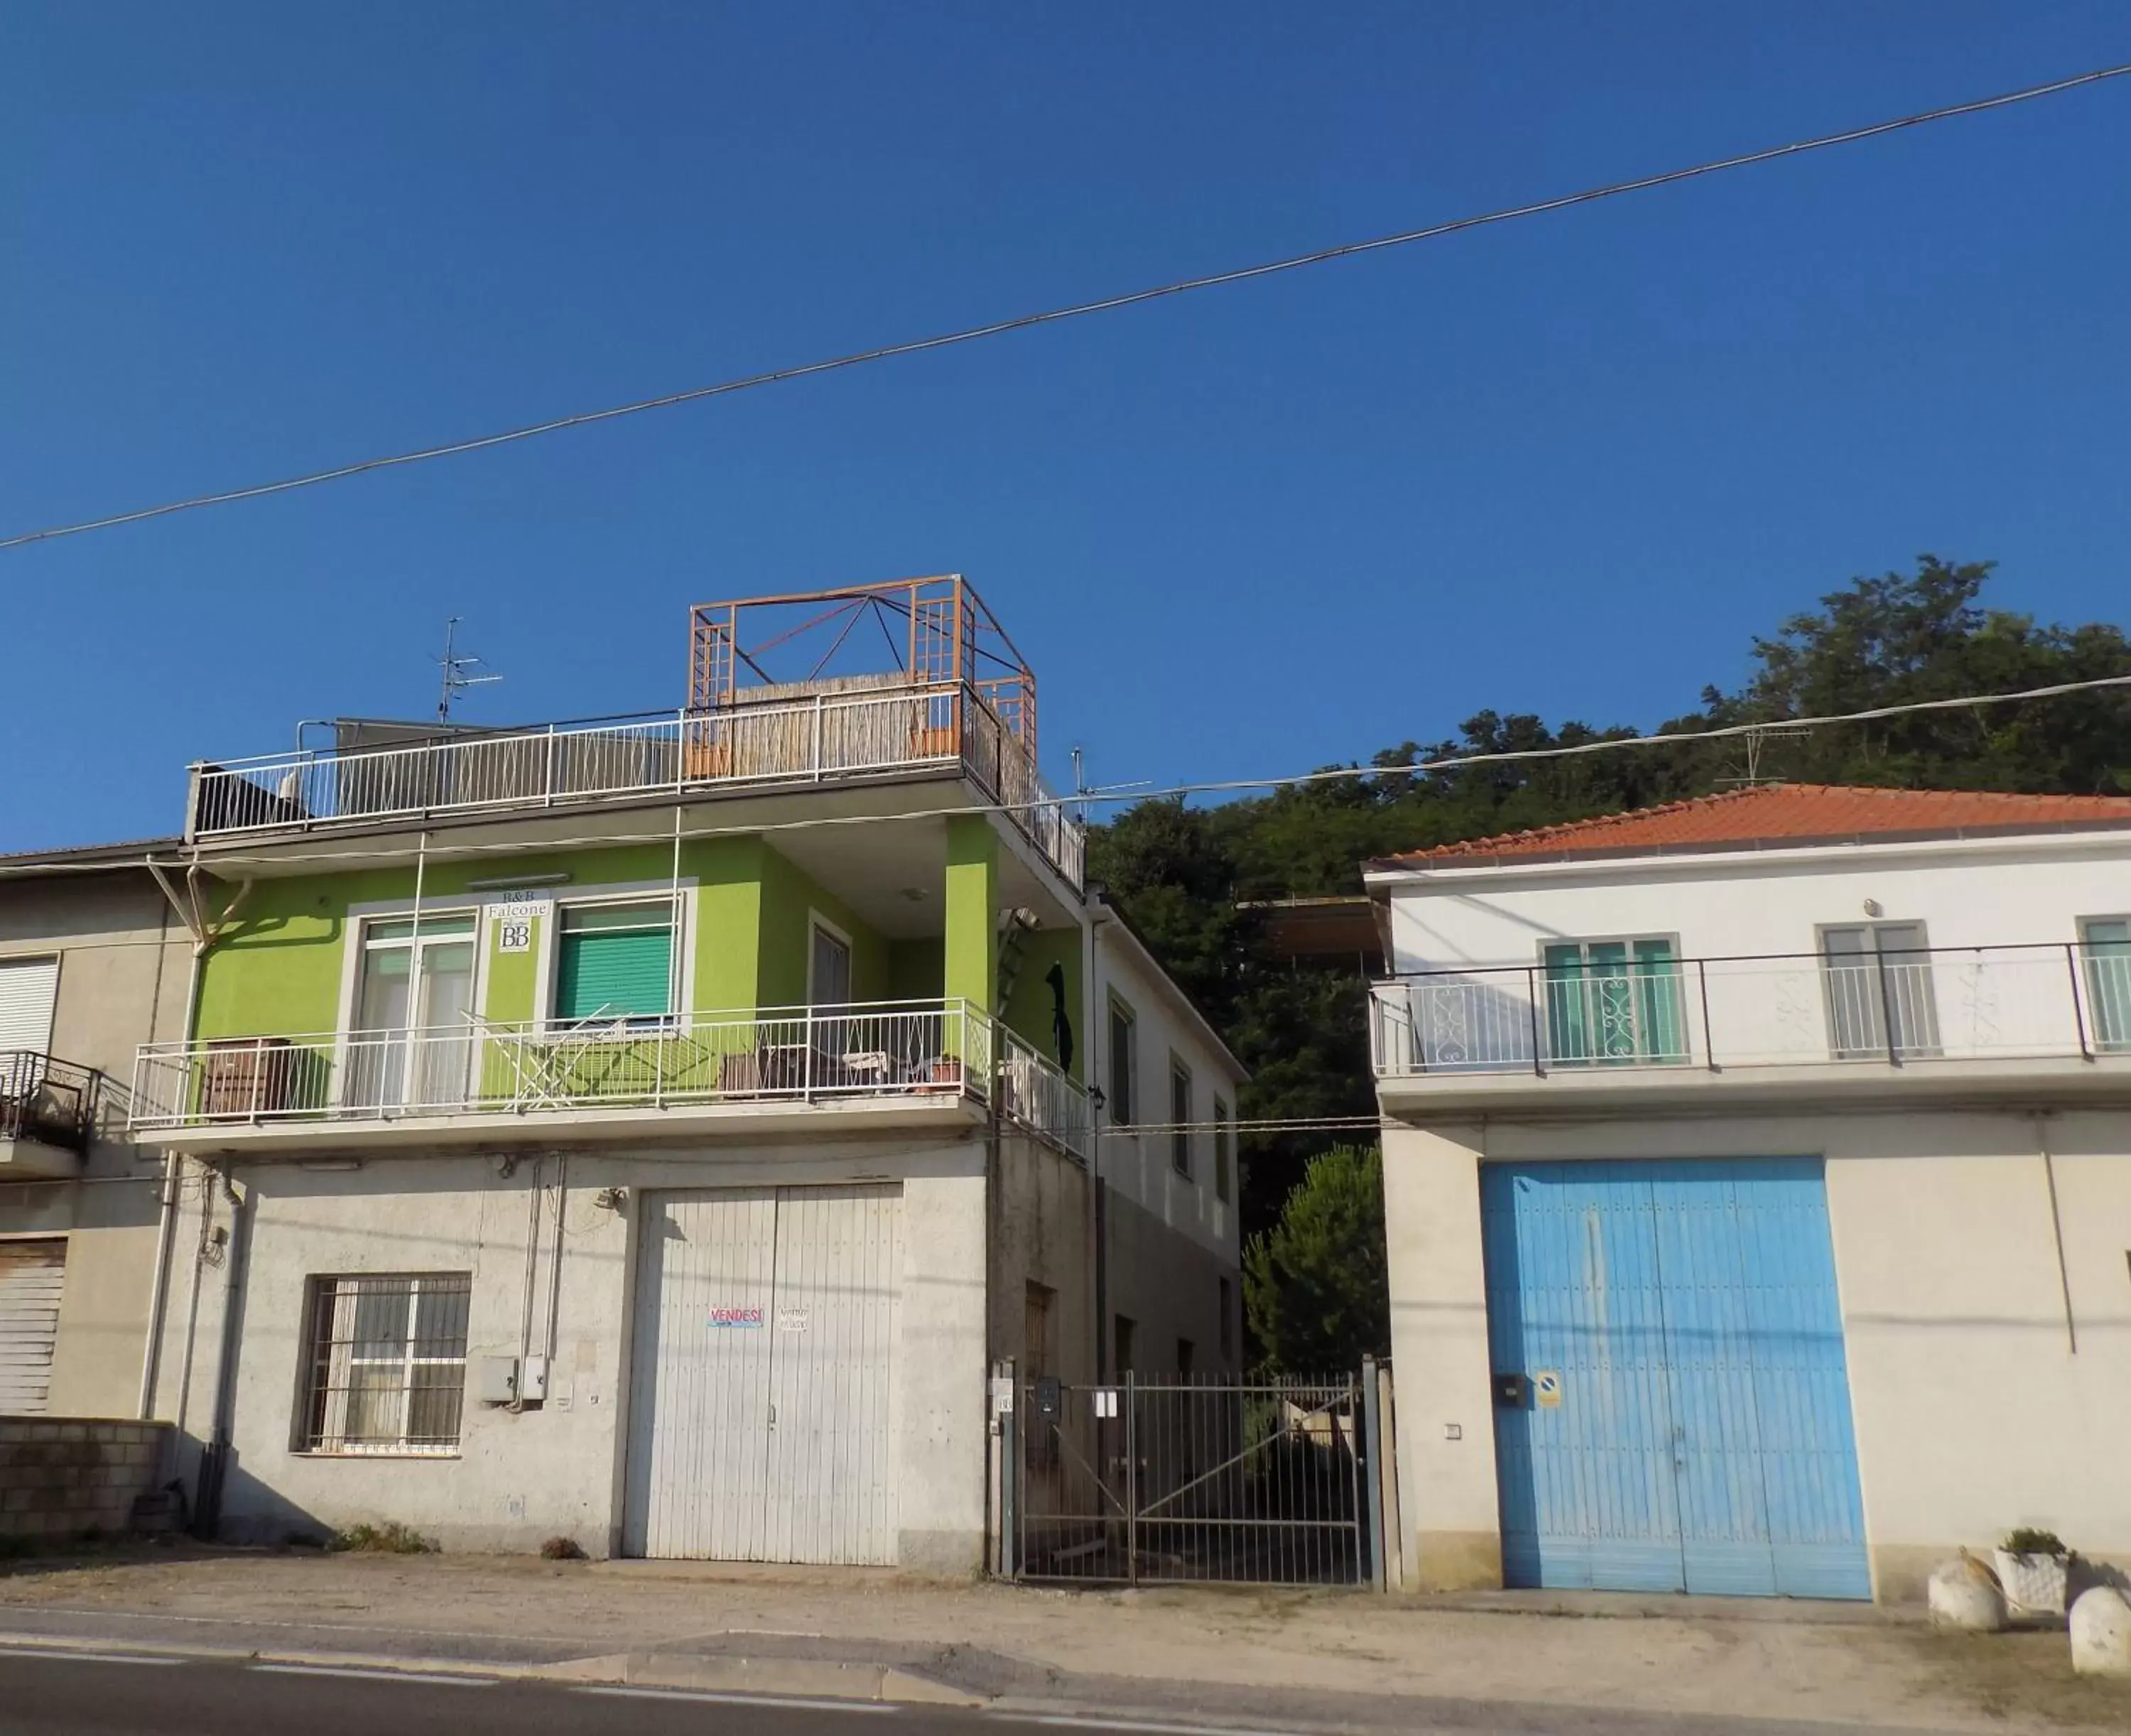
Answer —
284 968
1031 1006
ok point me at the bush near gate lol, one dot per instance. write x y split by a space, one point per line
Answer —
1314 1284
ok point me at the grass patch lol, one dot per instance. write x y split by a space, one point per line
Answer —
562 1549
391 1538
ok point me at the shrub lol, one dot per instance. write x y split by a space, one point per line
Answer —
390 1538
2027 1540
562 1549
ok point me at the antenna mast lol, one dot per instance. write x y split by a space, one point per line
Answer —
455 665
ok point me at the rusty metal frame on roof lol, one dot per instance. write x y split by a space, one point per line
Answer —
940 633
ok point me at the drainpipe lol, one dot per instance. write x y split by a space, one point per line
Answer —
214 1463
151 1352
159 1286
2056 1231
517 1403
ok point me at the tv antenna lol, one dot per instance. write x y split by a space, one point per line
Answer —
456 666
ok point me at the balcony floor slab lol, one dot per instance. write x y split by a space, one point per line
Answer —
947 1114
32 1160
1920 1082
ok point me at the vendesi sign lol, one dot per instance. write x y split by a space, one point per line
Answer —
725 1319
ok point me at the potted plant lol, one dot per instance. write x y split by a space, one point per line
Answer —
2032 1568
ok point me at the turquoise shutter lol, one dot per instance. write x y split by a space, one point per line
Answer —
1566 1028
1657 997
2109 981
615 973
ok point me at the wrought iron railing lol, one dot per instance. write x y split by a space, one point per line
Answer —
1892 1008
908 1049
51 1101
825 736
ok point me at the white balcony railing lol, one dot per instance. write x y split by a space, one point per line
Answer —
1035 1094
1893 1009
820 738
483 1068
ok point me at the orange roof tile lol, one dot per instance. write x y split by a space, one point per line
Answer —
1780 815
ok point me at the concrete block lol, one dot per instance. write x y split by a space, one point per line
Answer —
73 1432
2100 1626
1964 1594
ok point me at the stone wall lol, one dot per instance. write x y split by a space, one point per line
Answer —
60 1476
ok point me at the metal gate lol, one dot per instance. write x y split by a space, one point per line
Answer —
763 1367
1673 1407
1168 1481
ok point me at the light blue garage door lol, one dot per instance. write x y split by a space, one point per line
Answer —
1672 1406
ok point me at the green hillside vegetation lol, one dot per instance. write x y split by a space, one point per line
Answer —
1180 871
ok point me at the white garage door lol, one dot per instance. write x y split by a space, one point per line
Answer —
760 1392
27 989
32 1274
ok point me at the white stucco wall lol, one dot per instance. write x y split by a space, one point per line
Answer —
1173 1242
1982 1398
518 1479
1978 1405
1989 892
1755 989
1141 1166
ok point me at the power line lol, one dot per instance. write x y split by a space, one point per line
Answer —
1077 310
1109 796
1455 762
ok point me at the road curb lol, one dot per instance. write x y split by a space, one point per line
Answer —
799 1677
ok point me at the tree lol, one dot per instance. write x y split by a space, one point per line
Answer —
1179 871
1315 1287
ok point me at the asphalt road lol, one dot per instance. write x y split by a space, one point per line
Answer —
58 1694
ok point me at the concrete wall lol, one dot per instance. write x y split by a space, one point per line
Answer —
124 974
59 1477
518 1479
1981 1400
1042 1233
1141 1166
1169 1286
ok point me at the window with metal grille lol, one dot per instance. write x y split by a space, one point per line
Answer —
387 1371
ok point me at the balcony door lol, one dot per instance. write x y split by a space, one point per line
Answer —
828 986
2108 948
1880 1002
413 1045
1614 1003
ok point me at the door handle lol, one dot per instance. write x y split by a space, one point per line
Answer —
773 1416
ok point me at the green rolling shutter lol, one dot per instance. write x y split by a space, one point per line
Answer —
616 963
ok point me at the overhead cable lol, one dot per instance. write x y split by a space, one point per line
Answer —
1076 310
1108 796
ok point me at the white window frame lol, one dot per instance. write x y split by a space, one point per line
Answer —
325 1293
1901 1039
1118 1007
2088 984
633 1027
57 960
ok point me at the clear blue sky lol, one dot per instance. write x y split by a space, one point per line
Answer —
1568 466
